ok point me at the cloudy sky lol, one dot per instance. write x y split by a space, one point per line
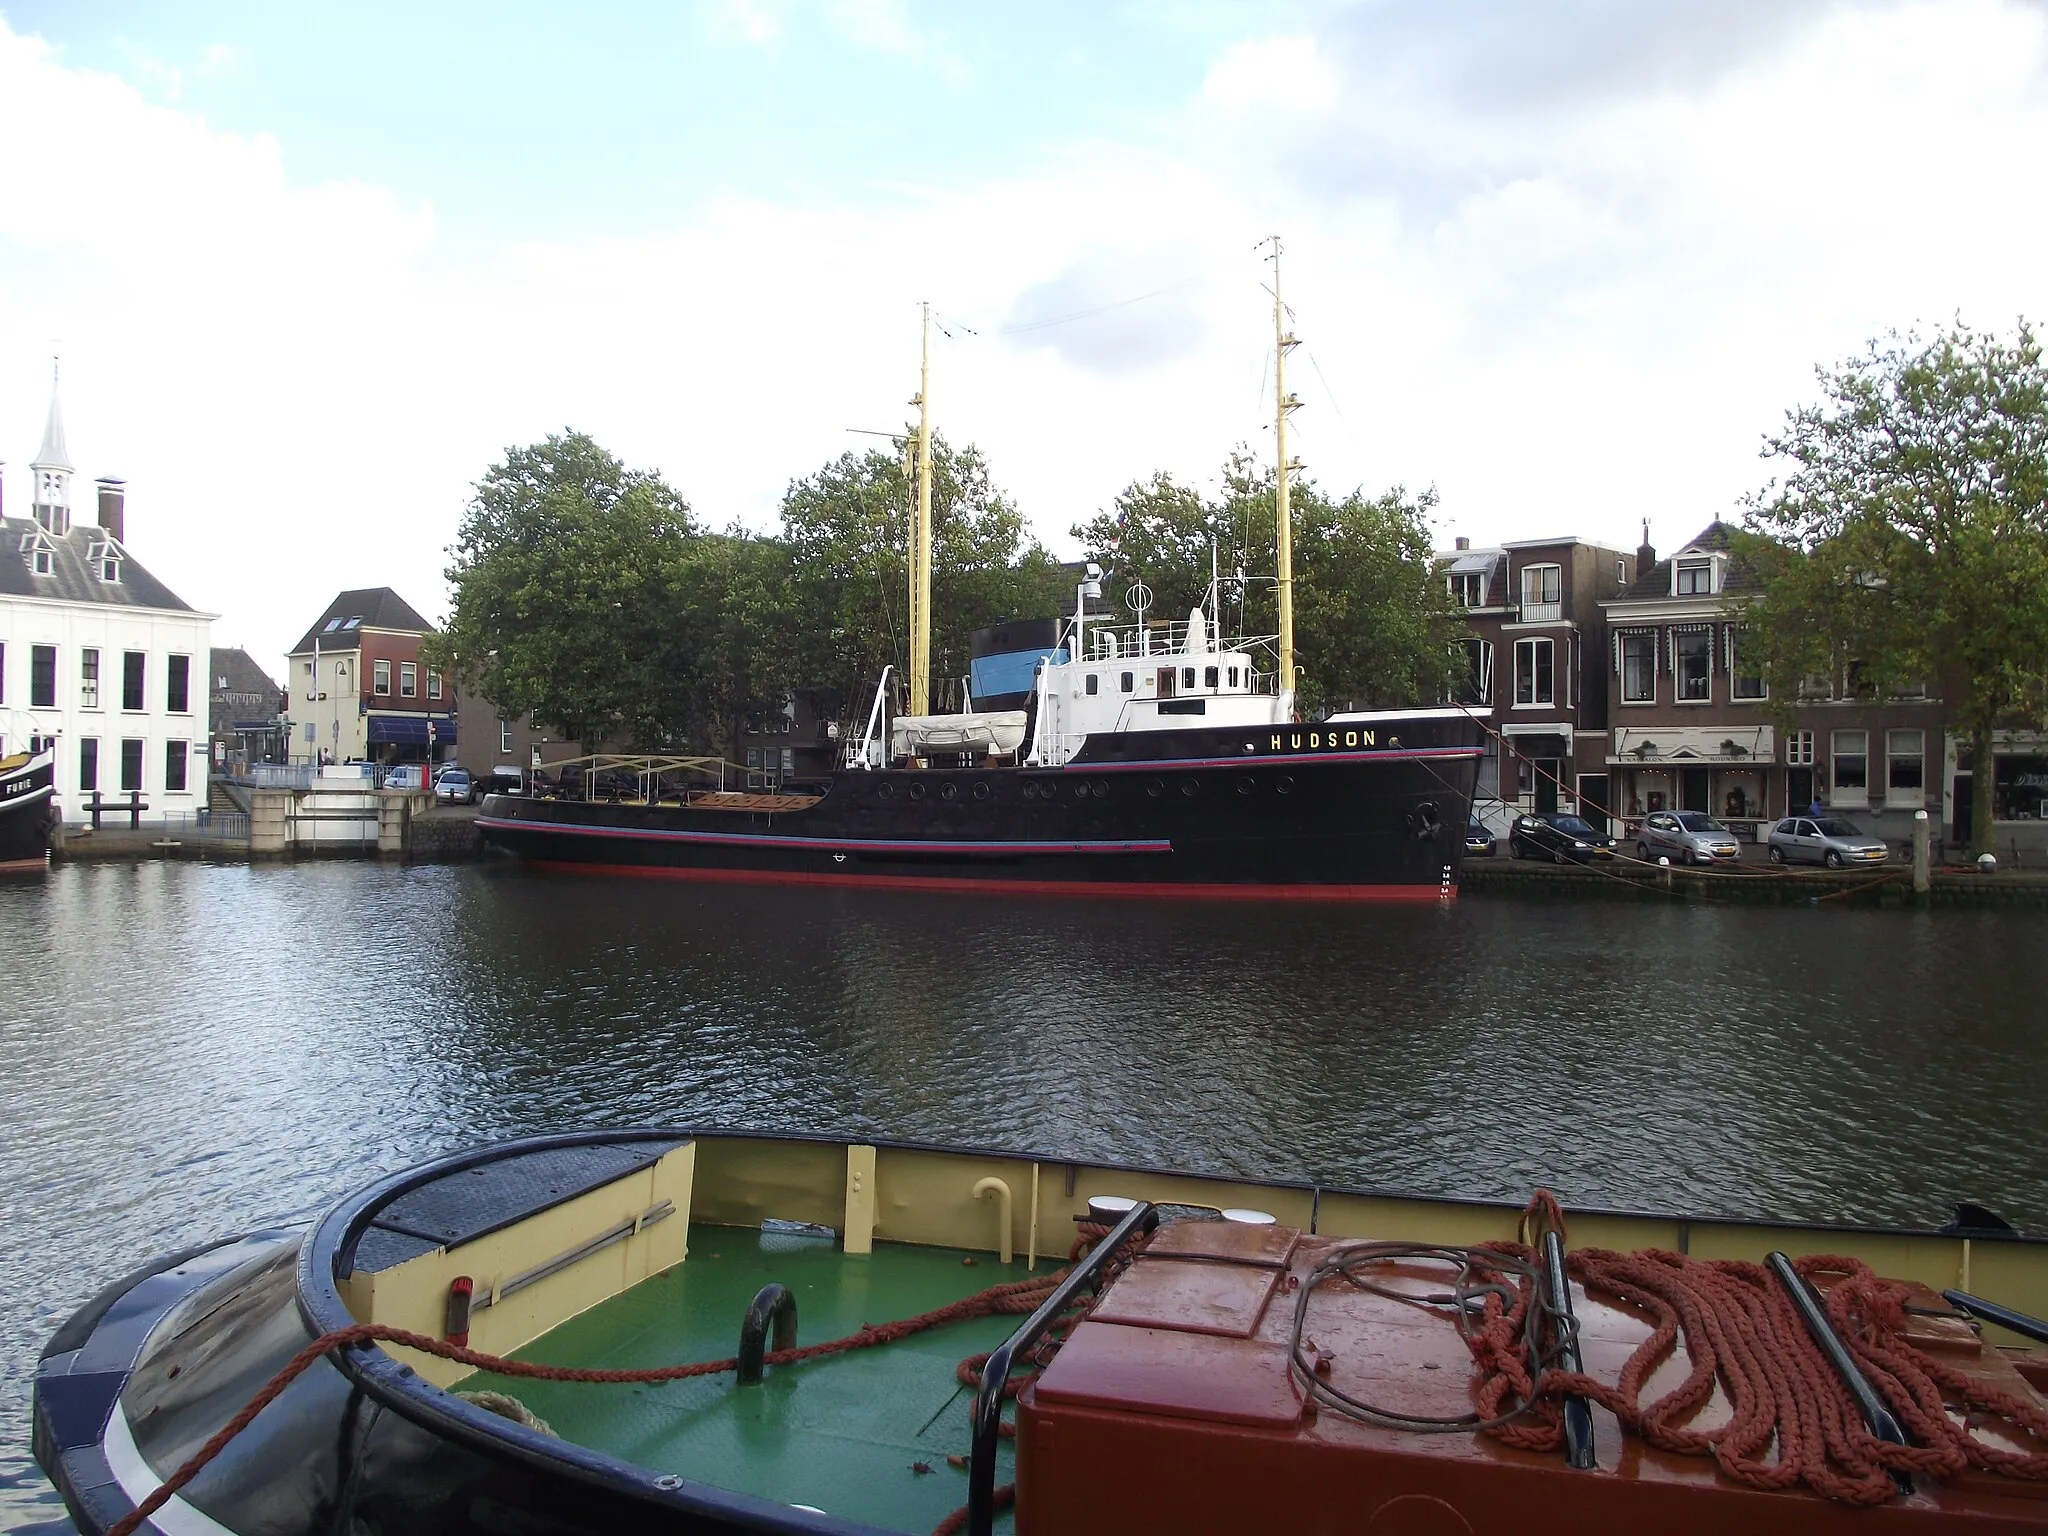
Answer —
312 269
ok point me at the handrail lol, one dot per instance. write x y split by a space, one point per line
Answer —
1991 1312
995 1375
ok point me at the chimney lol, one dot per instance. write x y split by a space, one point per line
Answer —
114 509
1461 543
1646 552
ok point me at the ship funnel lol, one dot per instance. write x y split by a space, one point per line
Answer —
1198 632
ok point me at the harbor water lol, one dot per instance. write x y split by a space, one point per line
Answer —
190 1049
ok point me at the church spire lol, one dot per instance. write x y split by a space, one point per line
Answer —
51 469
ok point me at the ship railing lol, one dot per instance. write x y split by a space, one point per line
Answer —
1112 642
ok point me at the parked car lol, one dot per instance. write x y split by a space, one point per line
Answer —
404 776
1689 837
501 781
1828 840
455 784
1555 837
1478 841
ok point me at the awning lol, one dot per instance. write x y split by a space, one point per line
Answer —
411 730
1725 745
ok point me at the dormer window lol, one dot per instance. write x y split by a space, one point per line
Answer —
109 569
331 625
1468 589
355 623
104 558
38 554
1693 578
41 562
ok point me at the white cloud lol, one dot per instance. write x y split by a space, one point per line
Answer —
1568 314
753 21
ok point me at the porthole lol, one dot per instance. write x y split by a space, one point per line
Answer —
1102 789
1283 785
1155 787
981 791
1049 789
1190 788
949 791
917 792
887 791
1030 790
1247 785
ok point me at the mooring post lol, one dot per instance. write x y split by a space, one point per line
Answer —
1922 872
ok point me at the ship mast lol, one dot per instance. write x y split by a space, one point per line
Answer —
921 538
1284 405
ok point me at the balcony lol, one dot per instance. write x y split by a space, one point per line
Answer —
1542 613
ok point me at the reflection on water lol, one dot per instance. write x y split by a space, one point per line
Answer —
188 1049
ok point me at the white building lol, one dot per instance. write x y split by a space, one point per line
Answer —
97 652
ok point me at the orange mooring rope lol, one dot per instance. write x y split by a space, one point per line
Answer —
1740 1328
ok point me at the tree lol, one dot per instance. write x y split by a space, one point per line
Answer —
1374 622
1910 534
846 528
567 572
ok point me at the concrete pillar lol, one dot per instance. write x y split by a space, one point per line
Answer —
1923 870
393 813
270 820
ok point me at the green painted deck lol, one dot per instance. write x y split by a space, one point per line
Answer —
841 1433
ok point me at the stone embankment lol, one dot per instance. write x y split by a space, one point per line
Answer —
1889 885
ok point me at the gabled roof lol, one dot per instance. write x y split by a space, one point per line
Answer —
72 579
368 608
1655 582
240 671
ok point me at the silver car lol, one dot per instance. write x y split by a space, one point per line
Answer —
1825 840
1688 837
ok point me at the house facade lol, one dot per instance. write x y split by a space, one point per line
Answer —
358 689
1694 728
245 712
95 651
1534 671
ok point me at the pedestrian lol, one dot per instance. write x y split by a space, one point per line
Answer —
1814 810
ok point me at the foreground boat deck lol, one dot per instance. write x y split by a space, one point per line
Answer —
843 1434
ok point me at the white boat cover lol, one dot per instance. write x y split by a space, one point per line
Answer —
921 735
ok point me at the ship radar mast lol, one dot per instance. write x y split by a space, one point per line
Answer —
1284 405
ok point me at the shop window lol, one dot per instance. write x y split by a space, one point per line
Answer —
1535 672
1639 669
1851 753
1692 663
2019 789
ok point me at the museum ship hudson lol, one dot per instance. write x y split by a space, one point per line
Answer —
1094 755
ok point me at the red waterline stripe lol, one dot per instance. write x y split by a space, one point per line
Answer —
1275 759
22 866
826 844
1160 888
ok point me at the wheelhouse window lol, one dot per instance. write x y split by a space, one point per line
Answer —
1092 686
380 678
1905 757
1127 682
42 677
408 680
1535 672
1209 676
1639 668
178 685
134 675
176 755
89 678
1693 664
1693 578
1851 753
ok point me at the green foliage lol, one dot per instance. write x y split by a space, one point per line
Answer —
847 527
1910 532
1373 621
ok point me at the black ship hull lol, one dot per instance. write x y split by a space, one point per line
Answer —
1357 811
25 797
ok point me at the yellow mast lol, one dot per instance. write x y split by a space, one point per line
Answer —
1283 527
921 538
